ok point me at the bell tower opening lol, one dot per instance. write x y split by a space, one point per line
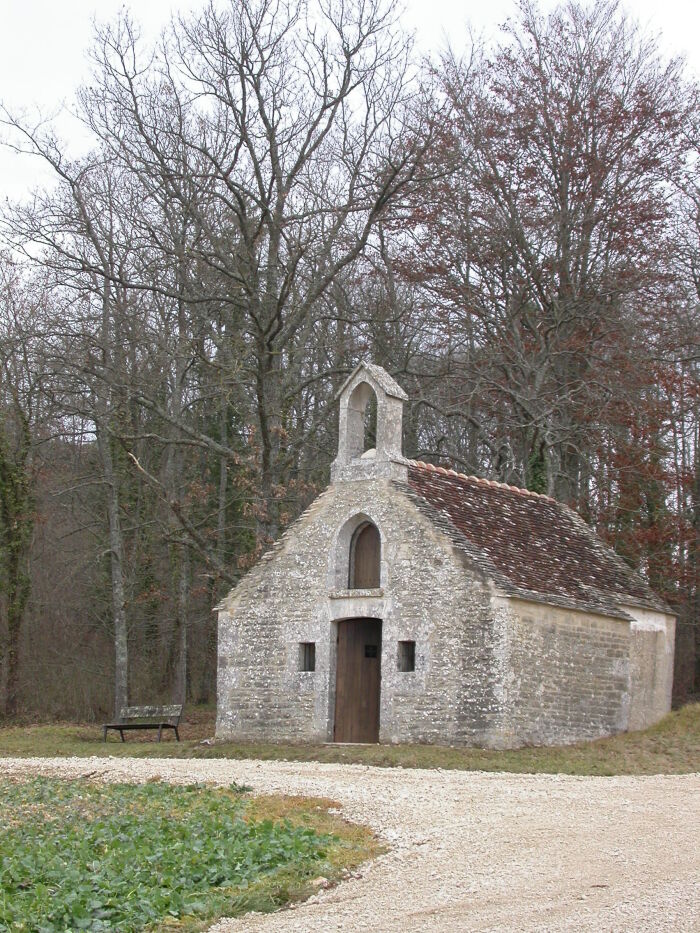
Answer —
370 425
361 420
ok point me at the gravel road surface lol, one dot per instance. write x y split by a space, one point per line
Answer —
473 851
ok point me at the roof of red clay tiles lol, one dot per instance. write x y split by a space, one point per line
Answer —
530 544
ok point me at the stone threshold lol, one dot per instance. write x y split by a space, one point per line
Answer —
351 744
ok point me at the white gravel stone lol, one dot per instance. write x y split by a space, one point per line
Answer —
472 851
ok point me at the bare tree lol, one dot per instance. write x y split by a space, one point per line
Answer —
296 118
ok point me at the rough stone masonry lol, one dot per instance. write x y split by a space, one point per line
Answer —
504 620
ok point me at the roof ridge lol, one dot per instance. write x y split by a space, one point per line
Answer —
384 379
526 493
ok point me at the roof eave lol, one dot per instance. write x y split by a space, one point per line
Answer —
611 610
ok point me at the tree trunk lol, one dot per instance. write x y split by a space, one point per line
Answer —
269 404
16 524
116 549
695 564
17 598
180 685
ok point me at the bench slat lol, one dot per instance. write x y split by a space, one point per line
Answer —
140 724
150 712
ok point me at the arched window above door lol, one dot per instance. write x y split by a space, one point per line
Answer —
356 562
365 558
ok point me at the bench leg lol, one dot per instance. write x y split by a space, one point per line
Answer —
121 733
160 732
177 734
104 733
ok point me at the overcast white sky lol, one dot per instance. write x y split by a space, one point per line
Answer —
43 44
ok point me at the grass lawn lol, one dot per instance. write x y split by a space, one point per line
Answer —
670 747
82 856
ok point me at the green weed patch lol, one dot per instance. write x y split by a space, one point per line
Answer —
78 856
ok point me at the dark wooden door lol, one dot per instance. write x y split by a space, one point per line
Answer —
366 558
358 680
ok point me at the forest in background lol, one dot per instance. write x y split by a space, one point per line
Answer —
274 191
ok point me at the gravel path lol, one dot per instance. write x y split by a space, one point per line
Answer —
474 851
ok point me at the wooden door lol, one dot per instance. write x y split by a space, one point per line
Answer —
358 680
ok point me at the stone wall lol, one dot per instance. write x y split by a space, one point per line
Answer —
569 675
294 596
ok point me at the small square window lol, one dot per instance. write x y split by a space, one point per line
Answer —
370 651
307 656
407 656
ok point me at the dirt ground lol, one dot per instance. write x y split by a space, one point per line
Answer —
474 851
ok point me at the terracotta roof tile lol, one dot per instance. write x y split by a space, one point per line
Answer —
528 541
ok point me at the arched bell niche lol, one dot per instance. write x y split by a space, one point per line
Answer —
369 427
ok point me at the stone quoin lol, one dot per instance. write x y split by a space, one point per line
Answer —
411 603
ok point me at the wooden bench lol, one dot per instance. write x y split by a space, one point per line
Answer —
146 717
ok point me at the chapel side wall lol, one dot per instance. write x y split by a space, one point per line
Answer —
569 675
435 600
426 596
651 666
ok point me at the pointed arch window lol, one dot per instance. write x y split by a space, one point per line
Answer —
365 558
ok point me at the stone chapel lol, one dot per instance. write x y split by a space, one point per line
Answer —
411 603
